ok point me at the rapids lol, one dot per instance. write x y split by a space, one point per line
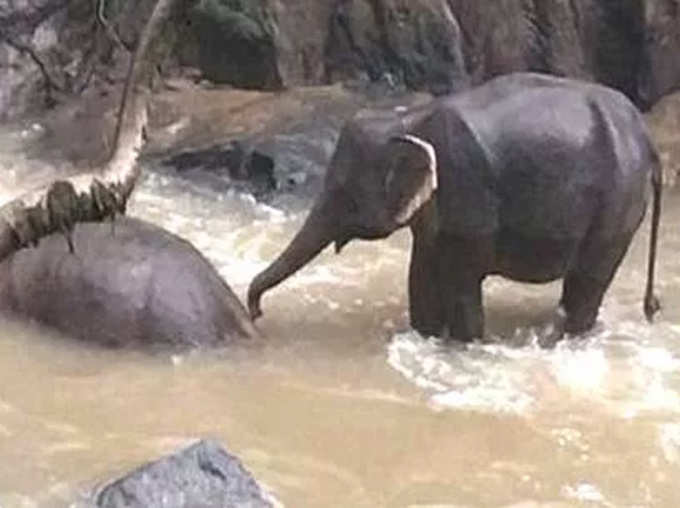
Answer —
343 405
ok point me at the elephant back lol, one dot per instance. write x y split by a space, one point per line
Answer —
136 285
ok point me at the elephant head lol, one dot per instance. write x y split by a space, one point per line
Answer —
375 184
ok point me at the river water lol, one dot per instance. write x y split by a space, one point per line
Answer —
343 405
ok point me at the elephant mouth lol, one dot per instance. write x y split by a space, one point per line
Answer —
340 244
361 233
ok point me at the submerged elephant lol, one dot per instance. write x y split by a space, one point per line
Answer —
528 176
138 285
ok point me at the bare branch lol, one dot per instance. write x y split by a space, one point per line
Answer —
20 21
50 82
99 195
110 31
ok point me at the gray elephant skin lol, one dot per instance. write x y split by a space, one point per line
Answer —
528 176
136 285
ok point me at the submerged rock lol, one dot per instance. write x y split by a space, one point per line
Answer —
276 146
200 476
250 170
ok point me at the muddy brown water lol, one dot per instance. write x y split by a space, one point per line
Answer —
343 406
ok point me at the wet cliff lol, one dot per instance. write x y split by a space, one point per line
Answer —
52 48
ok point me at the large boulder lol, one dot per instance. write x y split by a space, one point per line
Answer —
437 46
265 44
660 70
275 43
136 286
200 476
275 145
416 43
237 43
442 45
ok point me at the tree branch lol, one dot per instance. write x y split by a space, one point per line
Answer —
102 194
50 82
110 30
15 22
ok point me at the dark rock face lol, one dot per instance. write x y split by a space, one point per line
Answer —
52 49
660 71
200 476
24 25
142 287
438 46
264 44
236 43
416 43
445 45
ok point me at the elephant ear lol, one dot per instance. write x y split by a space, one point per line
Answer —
411 176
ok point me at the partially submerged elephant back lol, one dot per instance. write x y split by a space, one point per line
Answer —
139 286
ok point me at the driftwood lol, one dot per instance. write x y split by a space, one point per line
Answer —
98 195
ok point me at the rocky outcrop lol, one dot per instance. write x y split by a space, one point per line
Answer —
432 45
660 68
54 49
136 285
417 44
444 45
237 43
273 145
276 43
202 475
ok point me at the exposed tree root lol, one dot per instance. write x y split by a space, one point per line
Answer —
99 195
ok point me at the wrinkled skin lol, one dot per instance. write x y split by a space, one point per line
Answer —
528 176
137 286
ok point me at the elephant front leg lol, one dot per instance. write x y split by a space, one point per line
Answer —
461 275
464 311
424 290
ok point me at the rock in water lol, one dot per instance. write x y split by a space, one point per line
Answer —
200 476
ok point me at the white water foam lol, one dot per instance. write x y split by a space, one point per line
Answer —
585 492
625 375
479 378
669 441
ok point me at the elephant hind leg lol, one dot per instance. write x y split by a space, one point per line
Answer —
588 279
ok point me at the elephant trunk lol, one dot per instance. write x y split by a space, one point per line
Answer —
316 233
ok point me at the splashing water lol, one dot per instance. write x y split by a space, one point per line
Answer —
346 406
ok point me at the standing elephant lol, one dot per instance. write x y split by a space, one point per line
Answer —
528 176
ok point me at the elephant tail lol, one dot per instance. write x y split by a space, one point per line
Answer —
652 304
